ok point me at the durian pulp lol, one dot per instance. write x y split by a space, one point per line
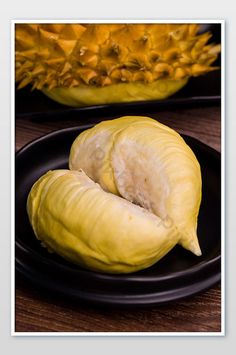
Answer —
121 92
146 163
74 217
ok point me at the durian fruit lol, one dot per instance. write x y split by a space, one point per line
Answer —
89 64
146 163
74 217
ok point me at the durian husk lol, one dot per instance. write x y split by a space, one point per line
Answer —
116 93
90 64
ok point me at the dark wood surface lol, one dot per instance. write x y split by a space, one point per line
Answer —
39 312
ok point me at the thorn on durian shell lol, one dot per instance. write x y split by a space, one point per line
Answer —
78 30
67 67
24 82
198 69
74 83
193 29
24 40
34 86
41 82
39 69
55 27
171 55
23 69
105 81
162 70
185 58
180 73
114 50
143 76
179 33
86 74
29 54
52 84
33 26
43 53
54 61
67 46
48 36
154 57
214 50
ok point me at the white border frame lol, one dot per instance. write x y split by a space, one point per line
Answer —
159 334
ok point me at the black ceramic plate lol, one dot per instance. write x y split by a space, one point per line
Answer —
179 274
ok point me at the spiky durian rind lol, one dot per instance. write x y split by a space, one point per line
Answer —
56 56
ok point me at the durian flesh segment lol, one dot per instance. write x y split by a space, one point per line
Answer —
157 170
98 141
91 151
147 163
75 218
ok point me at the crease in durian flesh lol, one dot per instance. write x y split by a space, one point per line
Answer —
129 157
79 64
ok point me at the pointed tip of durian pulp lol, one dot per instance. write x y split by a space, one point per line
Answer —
191 243
195 248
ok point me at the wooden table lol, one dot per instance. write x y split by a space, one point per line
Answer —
40 312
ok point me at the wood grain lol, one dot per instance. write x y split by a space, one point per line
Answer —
40 312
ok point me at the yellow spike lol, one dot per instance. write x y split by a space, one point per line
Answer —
215 50
67 46
24 40
39 69
105 81
29 54
24 82
55 27
53 84
171 55
86 74
48 36
199 69
43 53
66 68
33 26
88 58
72 31
162 70
180 73
106 54
193 29
55 61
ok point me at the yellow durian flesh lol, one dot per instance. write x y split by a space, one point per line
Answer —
157 170
98 143
75 218
91 150
149 164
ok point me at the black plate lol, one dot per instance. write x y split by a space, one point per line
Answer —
179 274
